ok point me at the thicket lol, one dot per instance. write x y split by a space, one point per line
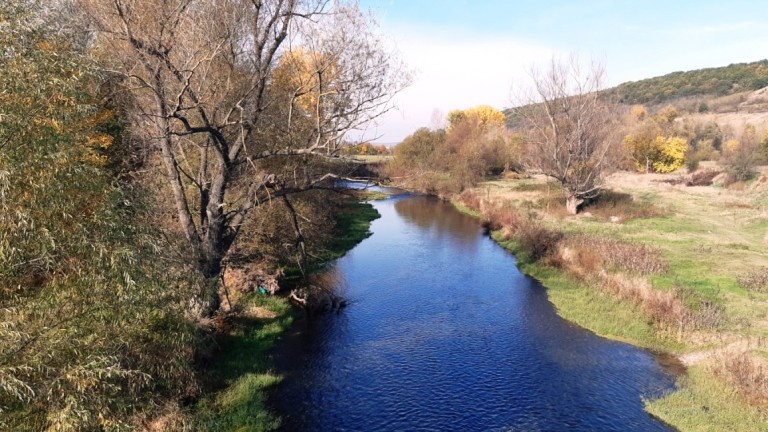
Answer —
106 317
474 145
92 312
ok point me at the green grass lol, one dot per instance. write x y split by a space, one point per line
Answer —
242 371
593 309
707 243
703 403
353 226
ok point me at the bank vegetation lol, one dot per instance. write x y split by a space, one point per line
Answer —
664 247
163 165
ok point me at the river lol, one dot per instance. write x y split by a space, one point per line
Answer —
443 333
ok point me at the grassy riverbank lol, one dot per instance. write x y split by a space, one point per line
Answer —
701 241
241 372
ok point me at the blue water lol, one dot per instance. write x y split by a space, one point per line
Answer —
443 333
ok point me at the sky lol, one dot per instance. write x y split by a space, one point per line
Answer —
468 53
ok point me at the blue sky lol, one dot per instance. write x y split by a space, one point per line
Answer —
467 53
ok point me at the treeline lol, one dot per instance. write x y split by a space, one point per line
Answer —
150 151
445 161
571 133
720 81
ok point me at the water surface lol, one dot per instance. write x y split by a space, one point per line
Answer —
444 333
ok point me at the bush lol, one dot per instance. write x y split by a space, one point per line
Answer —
744 373
755 281
630 257
537 241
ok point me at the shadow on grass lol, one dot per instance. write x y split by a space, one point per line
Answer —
241 374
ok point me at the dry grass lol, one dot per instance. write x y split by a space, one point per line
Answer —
746 371
755 281
618 255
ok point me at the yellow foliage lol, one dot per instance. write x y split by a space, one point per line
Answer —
667 115
657 154
484 116
672 152
638 113
306 76
732 145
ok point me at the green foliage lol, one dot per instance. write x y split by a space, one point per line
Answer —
92 333
720 81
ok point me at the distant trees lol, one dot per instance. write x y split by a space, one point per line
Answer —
719 81
239 98
569 128
474 145
740 156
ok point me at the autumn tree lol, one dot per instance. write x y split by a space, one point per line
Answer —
240 97
482 116
654 142
568 128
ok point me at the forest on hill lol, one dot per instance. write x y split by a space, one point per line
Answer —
717 81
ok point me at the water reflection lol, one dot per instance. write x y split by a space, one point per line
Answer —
443 333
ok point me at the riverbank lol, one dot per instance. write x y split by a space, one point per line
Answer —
241 372
657 266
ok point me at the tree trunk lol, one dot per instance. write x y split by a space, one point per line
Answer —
572 204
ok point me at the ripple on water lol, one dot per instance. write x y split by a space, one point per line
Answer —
443 333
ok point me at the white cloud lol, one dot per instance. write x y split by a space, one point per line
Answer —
454 71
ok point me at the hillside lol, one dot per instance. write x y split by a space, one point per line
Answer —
712 82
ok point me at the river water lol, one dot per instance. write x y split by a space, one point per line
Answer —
443 333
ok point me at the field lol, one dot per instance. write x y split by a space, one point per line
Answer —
710 240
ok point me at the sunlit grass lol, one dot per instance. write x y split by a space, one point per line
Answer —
703 403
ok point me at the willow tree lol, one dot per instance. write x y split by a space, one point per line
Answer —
238 97
91 336
569 128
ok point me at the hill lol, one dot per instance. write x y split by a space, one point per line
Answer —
712 82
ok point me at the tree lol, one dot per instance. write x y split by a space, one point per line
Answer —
741 155
568 128
657 153
239 97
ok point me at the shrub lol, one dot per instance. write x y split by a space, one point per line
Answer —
537 241
630 257
755 281
744 373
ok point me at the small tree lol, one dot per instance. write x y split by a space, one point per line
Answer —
740 156
568 128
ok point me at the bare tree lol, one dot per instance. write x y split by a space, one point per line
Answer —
218 94
569 128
